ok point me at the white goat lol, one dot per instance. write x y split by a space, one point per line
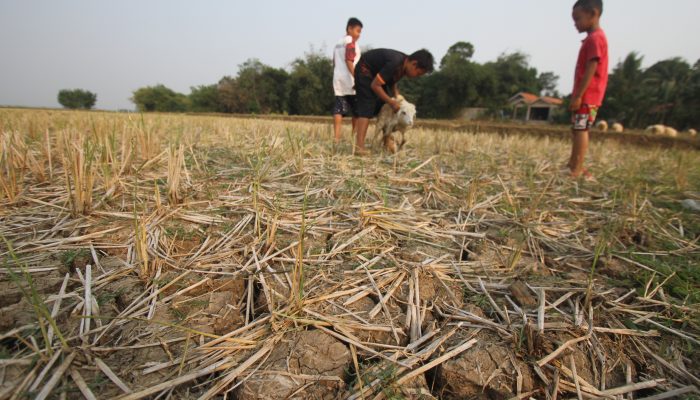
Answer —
394 125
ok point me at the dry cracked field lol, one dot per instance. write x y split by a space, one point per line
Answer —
178 257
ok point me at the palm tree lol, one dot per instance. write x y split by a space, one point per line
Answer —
626 98
665 81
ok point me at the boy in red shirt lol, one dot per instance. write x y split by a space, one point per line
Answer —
590 81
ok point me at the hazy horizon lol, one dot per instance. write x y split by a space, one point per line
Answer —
113 49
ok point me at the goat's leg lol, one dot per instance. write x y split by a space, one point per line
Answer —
390 143
389 129
400 139
377 129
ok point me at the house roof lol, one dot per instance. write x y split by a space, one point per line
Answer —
531 99
552 100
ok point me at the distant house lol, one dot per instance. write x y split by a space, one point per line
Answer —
529 107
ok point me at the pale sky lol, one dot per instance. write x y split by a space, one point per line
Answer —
114 47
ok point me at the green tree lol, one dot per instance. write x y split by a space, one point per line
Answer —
427 94
310 85
664 82
454 86
159 98
462 82
257 88
668 93
271 90
205 98
513 74
548 82
230 96
625 100
77 99
414 90
689 101
459 52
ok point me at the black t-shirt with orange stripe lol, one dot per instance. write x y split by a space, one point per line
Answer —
386 63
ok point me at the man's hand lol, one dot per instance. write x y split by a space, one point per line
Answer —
394 105
575 104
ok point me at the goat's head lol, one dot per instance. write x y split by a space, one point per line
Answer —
406 114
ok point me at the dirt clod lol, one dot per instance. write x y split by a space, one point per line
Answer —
311 360
485 371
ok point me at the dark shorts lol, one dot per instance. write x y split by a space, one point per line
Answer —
343 105
367 103
584 118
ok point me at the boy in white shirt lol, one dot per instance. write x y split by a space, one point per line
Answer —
346 54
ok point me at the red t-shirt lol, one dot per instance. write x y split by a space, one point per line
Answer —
595 46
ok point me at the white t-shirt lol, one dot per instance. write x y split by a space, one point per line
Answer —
343 81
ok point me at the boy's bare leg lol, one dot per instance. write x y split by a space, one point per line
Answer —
578 153
362 124
337 125
570 164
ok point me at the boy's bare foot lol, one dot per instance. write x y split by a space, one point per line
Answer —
584 173
588 177
361 152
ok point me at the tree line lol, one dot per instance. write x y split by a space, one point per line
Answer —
460 82
257 89
667 92
306 89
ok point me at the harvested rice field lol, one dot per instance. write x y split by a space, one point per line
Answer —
190 257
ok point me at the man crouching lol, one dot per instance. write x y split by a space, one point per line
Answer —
377 73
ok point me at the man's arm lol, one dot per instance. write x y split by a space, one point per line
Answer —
377 87
577 97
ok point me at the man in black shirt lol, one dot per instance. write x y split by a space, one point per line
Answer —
378 73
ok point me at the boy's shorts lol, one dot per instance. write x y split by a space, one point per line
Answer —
343 105
584 118
367 103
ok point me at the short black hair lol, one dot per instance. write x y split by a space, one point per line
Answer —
353 22
590 5
425 60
